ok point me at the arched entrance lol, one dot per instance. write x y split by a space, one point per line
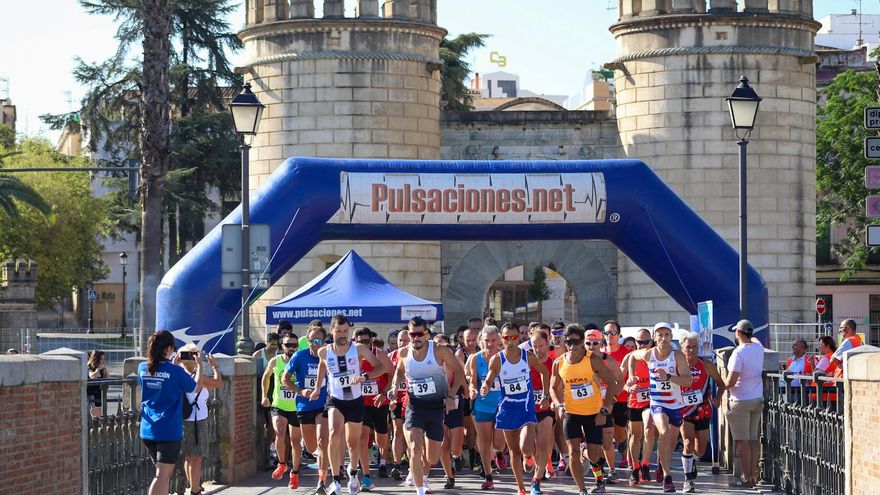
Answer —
587 266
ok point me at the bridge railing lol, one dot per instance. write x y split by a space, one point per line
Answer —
118 461
802 438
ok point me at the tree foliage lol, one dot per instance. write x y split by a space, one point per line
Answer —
840 164
455 70
65 244
7 136
538 290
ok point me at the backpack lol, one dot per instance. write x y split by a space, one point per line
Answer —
188 406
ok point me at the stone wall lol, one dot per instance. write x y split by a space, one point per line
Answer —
18 284
41 424
862 387
672 75
362 87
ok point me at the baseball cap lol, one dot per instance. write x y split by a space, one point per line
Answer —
593 335
662 324
744 326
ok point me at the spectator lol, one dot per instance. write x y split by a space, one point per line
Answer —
12 351
195 427
746 400
851 340
798 363
97 371
827 364
163 389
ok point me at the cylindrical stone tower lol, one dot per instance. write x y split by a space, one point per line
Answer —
364 86
678 60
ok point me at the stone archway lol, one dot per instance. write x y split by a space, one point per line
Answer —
589 267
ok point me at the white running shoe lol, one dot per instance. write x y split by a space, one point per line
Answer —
409 479
428 486
334 488
354 485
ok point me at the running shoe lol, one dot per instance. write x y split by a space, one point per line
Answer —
550 472
458 464
599 487
562 467
536 487
501 460
354 485
522 491
487 485
688 486
528 464
280 469
611 477
367 484
658 474
395 472
320 490
450 483
308 456
294 481
428 486
668 485
409 479
383 471
646 474
334 488
634 478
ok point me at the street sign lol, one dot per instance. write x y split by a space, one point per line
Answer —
872 235
872 206
872 148
230 259
93 295
872 177
872 118
820 306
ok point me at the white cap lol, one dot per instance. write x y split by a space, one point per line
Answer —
662 324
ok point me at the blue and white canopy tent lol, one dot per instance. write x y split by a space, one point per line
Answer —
355 289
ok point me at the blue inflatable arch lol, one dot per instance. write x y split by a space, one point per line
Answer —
311 200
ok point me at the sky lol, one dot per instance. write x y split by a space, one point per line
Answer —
551 49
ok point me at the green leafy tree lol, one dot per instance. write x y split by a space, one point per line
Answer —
454 70
538 290
63 236
840 164
7 136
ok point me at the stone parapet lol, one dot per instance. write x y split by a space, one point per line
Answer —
861 417
639 9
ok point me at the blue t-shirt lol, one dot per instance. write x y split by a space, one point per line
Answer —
304 367
162 396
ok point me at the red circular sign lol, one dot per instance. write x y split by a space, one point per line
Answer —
820 306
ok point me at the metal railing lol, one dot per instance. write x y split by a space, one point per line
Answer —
118 461
783 334
802 437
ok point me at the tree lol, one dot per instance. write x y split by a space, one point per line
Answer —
454 70
538 290
7 136
63 239
840 164
13 190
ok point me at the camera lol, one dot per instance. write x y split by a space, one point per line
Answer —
186 355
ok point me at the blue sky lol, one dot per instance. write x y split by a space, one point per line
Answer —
551 48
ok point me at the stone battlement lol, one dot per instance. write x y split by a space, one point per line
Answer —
18 271
640 9
265 11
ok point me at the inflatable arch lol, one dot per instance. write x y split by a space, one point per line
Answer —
308 200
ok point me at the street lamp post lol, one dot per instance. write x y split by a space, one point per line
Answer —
123 261
246 112
91 309
743 105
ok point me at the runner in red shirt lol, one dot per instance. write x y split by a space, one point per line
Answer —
398 408
544 438
620 413
638 401
375 408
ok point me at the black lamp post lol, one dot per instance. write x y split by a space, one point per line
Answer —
246 112
123 261
743 105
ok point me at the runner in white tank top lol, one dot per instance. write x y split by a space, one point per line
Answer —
669 372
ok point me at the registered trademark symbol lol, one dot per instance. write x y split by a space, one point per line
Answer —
615 217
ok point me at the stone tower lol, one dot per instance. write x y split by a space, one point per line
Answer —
677 61
361 84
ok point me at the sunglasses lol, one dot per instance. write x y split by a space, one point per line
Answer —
573 341
611 333
317 341
417 334
508 338
291 346
365 341
557 331
594 343
643 342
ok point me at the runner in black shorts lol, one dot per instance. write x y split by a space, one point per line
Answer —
398 406
375 408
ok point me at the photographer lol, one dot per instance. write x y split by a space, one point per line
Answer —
195 424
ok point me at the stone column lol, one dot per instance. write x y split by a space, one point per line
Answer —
395 9
302 9
655 7
861 416
755 6
368 9
684 6
719 6
276 10
334 9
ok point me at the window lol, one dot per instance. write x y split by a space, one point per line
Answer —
823 249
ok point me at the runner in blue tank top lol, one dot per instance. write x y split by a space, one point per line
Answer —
516 413
485 406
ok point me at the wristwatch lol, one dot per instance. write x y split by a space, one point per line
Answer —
366 376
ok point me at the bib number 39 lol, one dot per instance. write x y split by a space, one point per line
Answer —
424 387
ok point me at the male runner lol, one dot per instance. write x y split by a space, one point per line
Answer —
641 429
557 347
284 412
516 412
398 399
341 361
485 406
697 411
375 408
668 374
594 342
303 367
620 414
467 348
579 402
422 364
544 413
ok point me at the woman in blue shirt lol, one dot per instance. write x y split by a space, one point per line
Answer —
163 388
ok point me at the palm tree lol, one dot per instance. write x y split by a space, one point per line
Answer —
12 189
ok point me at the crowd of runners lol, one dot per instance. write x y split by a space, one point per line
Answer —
543 401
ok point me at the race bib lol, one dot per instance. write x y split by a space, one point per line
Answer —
401 386
692 397
538 394
513 386
644 395
423 386
371 387
344 378
581 391
496 386
311 382
287 394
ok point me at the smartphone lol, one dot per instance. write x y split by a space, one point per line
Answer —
185 356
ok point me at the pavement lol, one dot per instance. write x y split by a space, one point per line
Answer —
468 483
